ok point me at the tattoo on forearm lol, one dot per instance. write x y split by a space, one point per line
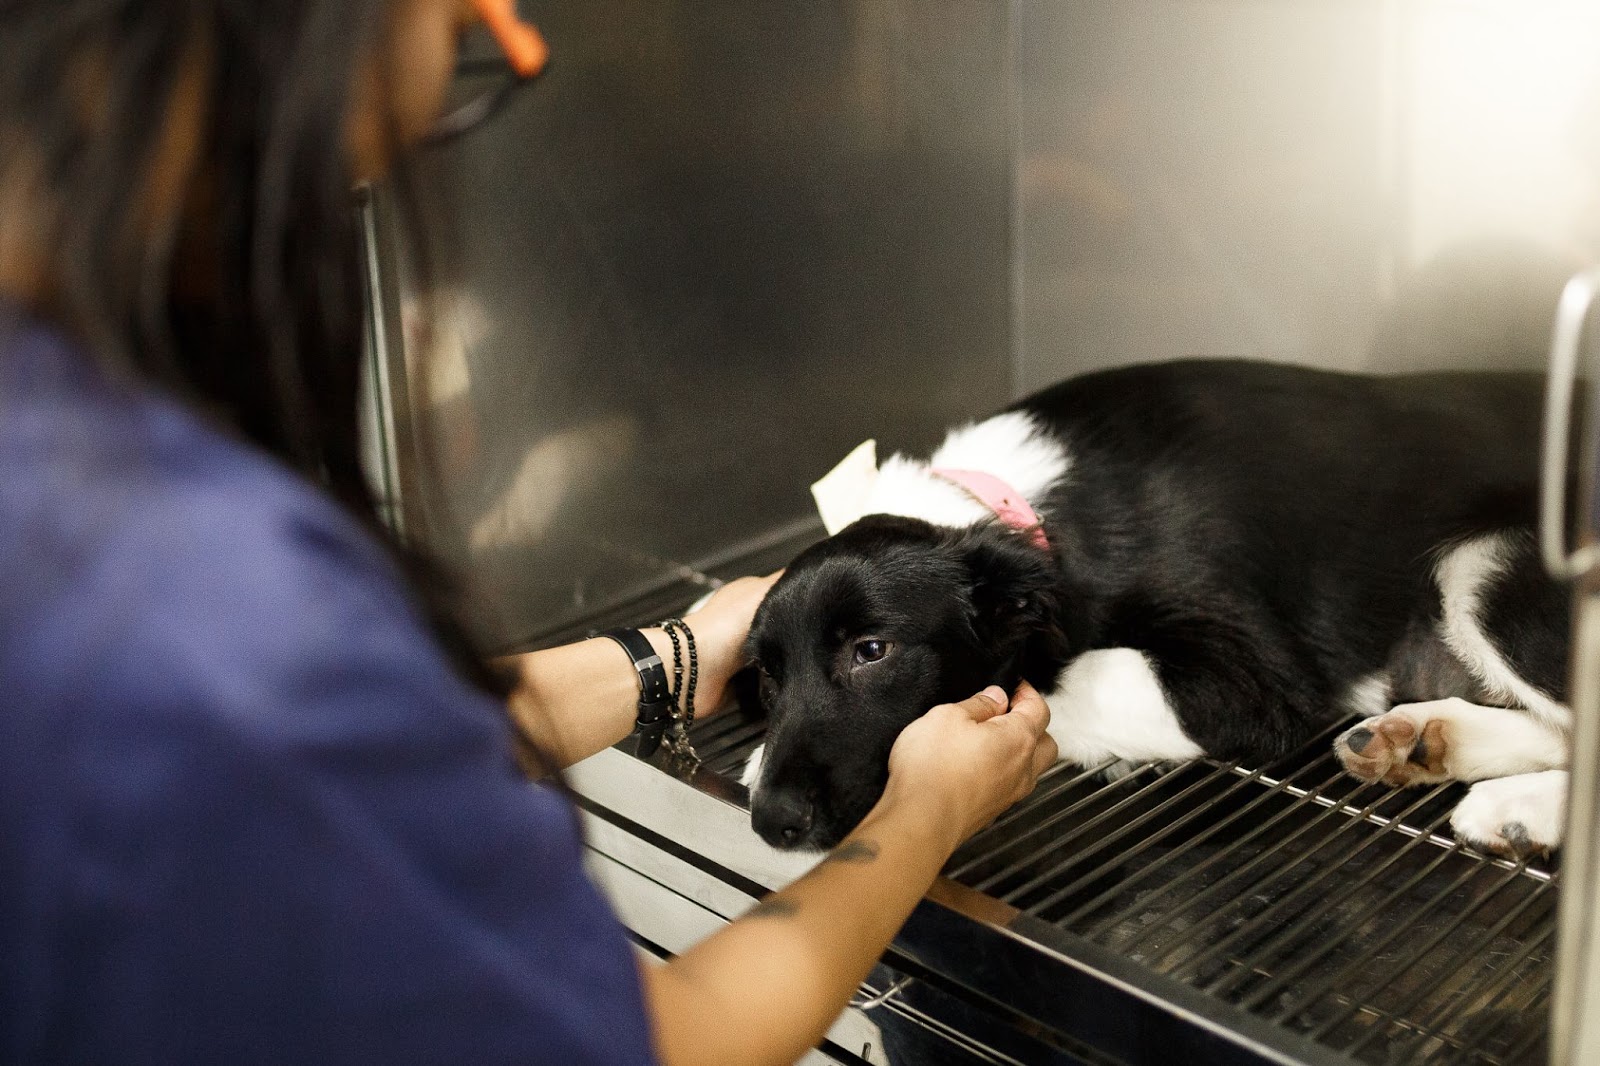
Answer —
854 852
773 907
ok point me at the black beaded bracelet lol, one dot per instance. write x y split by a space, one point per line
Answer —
656 701
674 626
670 628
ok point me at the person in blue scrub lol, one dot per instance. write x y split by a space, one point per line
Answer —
258 793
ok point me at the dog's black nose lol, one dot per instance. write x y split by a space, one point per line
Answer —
1358 739
782 818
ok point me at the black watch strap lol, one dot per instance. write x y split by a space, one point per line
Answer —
655 696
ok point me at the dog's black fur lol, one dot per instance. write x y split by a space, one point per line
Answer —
1266 534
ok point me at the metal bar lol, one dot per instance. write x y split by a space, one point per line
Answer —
732 740
737 744
730 764
1295 928
1052 777
1302 966
1234 876
1122 831
1575 1011
1191 874
1435 941
383 356
1572 312
1351 965
1537 1006
1468 951
1416 954
708 732
1332 870
968 864
1054 817
675 589
1444 842
1040 797
1316 741
1491 987
1037 808
1048 846
1176 853
1066 891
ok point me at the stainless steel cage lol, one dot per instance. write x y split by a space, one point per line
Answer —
723 241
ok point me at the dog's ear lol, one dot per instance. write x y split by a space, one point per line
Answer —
1015 588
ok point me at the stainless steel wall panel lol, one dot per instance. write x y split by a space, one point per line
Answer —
719 243
714 247
1359 184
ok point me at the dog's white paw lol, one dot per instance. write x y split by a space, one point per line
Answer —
1514 816
1450 739
1398 748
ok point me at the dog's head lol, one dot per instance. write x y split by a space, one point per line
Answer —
866 631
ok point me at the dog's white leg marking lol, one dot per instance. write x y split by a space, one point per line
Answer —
1514 815
1109 705
1369 696
1462 575
752 769
1449 740
1487 742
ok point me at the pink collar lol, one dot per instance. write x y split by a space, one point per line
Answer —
1007 503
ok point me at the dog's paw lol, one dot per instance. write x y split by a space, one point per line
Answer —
1398 748
1514 816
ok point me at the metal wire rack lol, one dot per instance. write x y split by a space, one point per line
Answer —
1341 912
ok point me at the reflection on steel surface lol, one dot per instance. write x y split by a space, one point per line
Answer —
724 241
715 245
1361 184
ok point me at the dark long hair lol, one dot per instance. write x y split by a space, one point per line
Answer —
248 302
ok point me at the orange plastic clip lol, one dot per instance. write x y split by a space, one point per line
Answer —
523 45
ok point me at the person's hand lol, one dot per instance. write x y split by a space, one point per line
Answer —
973 759
720 628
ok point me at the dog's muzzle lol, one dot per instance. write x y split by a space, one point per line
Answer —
782 817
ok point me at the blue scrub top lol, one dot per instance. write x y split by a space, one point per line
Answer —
247 813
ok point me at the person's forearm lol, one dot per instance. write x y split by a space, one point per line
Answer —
766 988
580 698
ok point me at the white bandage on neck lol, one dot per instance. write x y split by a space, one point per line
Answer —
843 492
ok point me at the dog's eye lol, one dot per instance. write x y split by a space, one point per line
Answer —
870 651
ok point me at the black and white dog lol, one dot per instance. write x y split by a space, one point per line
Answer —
1232 555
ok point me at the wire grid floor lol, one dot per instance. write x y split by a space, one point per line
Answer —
1343 912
